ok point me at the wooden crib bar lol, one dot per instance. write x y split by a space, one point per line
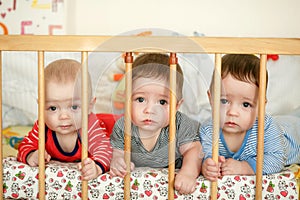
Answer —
216 117
261 119
41 116
84 111
172 126
127 136
1 142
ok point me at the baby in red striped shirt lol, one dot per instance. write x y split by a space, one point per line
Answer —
63 124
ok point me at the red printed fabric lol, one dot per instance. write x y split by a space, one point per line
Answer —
63 181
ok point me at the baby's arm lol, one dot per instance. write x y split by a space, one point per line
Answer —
185 180
33 158
28 146
118 165
89 169
99 146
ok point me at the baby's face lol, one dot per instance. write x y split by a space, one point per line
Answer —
150 104
62 108
238 106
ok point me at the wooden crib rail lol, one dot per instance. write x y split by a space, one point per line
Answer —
289 46
169 44
1 151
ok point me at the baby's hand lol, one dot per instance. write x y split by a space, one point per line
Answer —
90 169
33 158
211 170
118 167
231 166
184 184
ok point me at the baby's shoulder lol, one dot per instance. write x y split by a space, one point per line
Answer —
183 118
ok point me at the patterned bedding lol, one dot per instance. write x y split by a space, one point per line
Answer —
63 182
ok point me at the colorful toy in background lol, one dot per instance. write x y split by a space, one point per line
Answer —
12 136
15 141
7 134
273 57
118 96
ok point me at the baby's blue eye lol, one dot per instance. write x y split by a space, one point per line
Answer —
224 101
140 99
163 102
74 107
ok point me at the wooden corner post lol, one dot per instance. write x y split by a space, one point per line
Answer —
127 135
172 127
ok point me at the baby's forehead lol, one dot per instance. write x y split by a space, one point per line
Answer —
62 102
142 81
151 80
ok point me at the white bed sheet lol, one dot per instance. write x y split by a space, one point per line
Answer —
63 182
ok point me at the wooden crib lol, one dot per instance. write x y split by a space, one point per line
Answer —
132 44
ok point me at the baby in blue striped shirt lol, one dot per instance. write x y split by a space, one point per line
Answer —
239 125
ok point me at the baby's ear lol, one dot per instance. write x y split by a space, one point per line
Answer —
92 103
179 103
209 97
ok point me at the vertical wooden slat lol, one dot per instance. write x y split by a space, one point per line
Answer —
172 127
216 119
41 117
127 136
84 114
261 122
1 148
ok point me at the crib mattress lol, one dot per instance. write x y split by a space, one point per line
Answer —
63 182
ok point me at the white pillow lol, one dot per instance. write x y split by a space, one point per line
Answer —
282 93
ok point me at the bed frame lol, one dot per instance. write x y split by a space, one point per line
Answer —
132 44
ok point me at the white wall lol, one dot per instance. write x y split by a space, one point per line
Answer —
242 18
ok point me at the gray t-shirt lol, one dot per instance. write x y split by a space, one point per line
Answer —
186 132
